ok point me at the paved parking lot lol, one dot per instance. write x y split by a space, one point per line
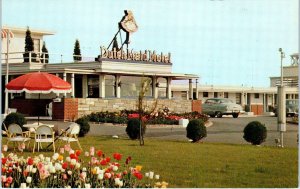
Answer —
223 130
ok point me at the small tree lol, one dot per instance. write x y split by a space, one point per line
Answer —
196 130
77 53
29 47
145 84
255 133
45 55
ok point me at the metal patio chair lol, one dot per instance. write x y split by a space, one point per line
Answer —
71 134
44 134
16 135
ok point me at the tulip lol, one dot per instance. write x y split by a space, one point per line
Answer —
33 170
138 167
61 150
87 154
100 176
99 153
146 174
115 168
48 159
77 165
60 157
4 148
156 177
107 175
9 179
3 178
68 159
87 185
71 151
92 151
67 147
23 185
28 180
65 177
55 156
151 174
30 161
69 172
77 152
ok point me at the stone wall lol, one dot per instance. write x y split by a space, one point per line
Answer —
88 105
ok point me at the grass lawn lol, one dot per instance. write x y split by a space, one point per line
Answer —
184 164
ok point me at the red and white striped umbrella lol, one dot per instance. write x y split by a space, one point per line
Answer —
6 32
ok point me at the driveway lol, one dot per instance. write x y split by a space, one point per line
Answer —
223 130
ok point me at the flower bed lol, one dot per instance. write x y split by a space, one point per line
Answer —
159 117
68 169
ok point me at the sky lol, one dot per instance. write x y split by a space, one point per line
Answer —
225 42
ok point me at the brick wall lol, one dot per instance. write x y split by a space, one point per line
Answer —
89 105
66 110
197 106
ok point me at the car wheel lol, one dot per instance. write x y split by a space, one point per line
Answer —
235 115
218 114
212 115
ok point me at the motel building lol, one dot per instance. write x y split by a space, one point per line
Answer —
112 81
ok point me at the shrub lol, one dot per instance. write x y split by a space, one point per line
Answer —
84 126
196 130
15 118
255 132
133 129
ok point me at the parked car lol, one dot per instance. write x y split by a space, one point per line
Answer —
217 107
291 107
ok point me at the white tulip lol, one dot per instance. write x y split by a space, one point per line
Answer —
73 161
23 185
68 159
55 156
100 176
146 174
48 159
156 177
115 168
84 169
33 170
28 180
58 166
151 174
69 172
77 165
87 185
71 152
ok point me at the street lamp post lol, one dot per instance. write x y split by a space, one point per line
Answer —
6 77
281 119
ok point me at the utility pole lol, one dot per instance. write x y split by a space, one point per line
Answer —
281 110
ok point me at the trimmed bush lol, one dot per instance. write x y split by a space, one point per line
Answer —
196 130
255 133
15 118
133 129
84 126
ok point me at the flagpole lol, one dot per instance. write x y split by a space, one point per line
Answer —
6 78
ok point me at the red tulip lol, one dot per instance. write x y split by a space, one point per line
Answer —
99 153
65 165
4 161
78 152
65 177
103 162
107 159
30 161
3 170
73 156
138 175
117 156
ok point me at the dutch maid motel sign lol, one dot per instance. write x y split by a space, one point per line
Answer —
146 56
128 25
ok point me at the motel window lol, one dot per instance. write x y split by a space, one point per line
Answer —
238 98
256 95
225 95
296 96
205 94
215 94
